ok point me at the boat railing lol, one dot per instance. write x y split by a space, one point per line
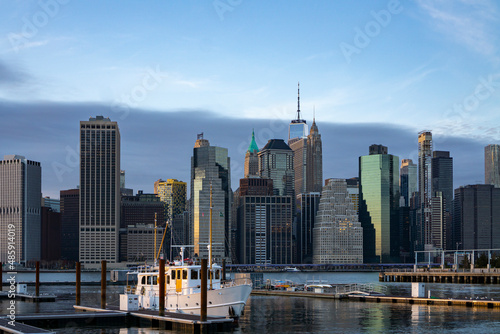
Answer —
237 281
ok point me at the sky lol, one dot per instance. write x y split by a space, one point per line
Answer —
372 72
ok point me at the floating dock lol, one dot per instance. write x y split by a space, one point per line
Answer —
428 301
438 276
92 316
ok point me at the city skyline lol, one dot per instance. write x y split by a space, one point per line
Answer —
147 155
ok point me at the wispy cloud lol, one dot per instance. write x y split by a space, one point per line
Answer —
470 23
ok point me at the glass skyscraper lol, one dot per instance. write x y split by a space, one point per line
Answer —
379 205
210 167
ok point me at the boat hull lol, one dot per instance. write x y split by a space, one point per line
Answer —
225 302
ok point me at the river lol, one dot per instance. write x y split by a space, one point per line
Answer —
265 314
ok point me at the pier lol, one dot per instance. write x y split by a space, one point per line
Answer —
476 276
29 298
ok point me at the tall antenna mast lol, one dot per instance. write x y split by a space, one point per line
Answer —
298 101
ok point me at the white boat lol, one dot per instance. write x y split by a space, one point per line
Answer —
292 269
183 292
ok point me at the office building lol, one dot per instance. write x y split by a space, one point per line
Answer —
492 165
297 127
353 191
173 193
442 187
425 191
70 231
141 246
210 178
379 205
252 159
263 230
20 208
50 234
276 163
338 235
52 203
307 208
314 172
408 180
477 217
99 190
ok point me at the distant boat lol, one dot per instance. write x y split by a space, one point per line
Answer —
292 269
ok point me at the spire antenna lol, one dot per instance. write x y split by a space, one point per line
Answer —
298 101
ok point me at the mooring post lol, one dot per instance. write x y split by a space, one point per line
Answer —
37 279
161 281
203 297
1 276
223 270
78 283
103 284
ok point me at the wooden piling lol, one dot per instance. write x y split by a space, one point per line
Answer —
37 279
203 297
161 281
103 284
78 283
223 270
1 276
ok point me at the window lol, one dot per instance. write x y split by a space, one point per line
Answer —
194 274
143 281
173 274
184 274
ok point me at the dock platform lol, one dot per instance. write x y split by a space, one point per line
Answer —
428 301
439 276
20 328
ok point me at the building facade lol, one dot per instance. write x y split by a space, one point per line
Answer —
408 180
264 231
425 190
70 231
492 165
173 193
20 209
210 178
276 163
251 168
338 235
379 206
306 208
477 217
99 190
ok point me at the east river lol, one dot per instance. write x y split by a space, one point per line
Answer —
265 314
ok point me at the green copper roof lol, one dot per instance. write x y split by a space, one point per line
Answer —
253 145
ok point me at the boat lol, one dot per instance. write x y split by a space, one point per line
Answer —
292 269
183 287
183 290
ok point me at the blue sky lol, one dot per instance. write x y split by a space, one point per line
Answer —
408 65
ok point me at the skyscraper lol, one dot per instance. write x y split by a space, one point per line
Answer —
20 208
264 224
307 154
408 180
314 172
338 236
99 190
424 189
276 163
210 169
297 127
442 187
307 208
70 230
477 217
492 165
252 159
173 193
379 205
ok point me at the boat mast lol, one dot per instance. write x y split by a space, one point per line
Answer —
155 242
210 243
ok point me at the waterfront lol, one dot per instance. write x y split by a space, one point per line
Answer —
297 314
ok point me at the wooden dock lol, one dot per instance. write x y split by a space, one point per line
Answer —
428 301
477 276
20 328
306 294
92 316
